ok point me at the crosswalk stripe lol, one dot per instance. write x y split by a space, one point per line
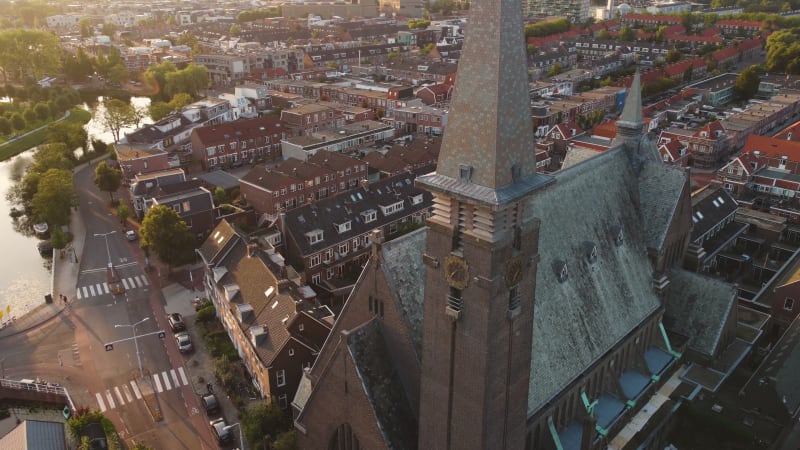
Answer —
144 280
127 393
79 293
100 402
158 383
136 390
99 288
183 376
106 289
174 378
125 283
119 395
85 291
91 290
138 282
110 399
166 380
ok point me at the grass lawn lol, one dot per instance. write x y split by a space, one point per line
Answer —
12 148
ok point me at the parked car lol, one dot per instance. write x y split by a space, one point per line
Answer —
130 235
176 322
210 403
184 342
221 430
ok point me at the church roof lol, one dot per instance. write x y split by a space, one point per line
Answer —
698 307
632 111
577 321
382 385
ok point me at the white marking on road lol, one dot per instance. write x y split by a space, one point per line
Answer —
158 383
119 266
125 283
110 399
91 290
101 269
78 293
136 390
100 402
99 288
183 376
85 292
127 392
166 380
138 281
105 288
119 395
144 280
174 377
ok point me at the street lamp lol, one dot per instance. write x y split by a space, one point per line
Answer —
135 340
108 249
241 438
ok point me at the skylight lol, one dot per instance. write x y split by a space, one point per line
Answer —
721 201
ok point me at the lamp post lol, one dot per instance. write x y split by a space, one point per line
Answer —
108 249
135 341
241 438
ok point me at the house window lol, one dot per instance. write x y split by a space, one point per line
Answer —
788 304
315 260
343 249
282 401
369 215
301 327
316 278
393 228
291 352
314 236
187 207
280 378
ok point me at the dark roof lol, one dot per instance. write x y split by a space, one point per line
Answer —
383 386
333 160
301 169
698 307
179 187
35 435
326 214
221 238
267 179
239 129
149 133
219 178
199 200
713 206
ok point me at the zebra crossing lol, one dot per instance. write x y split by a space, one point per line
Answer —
128 393
96 289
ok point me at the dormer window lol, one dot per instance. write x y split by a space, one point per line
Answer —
343 227
465 173
590 252
314 236
616 235
416 199
563 274
369 215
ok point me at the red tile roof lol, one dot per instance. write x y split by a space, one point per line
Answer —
790 133
771 147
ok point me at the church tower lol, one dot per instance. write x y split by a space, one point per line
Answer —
482 246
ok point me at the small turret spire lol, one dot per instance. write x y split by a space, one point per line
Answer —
632 112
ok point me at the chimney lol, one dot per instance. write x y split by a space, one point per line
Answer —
252 249
377 239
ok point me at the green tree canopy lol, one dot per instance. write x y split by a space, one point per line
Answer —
5 126
547 27
262 419
55 195
747 83
68 133
29 53
167 235
191 80
158 110
107 178
118 115
18 122
626 34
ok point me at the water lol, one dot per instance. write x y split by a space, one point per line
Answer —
25 277
95 126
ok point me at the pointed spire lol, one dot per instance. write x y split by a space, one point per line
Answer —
632 112
489 130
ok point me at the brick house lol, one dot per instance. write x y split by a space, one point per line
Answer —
348 171
232 144
311 118
706 146
193 203
135 161
274 325
435 94
268 192
328 241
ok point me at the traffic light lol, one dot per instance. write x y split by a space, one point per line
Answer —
161 334
109 347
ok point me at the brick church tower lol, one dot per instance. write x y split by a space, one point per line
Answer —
482 247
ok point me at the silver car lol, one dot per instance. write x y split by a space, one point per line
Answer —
184 342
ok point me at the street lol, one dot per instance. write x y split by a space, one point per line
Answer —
129 387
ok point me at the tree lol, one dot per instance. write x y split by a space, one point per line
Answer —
235 30
166 234
30 115
687 74
70 134
180 100
626 34
5 126
261 419
42 111
285 441
673 56
118 115
86 28
603 34
158 110
220 196
58 239
107 178
55 195
555 70
747 83
190 80
122 214
18 122
29 53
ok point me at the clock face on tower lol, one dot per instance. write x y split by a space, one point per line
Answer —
515 269
456 272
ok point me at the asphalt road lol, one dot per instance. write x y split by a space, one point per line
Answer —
71 350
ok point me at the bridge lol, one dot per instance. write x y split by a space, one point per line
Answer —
29 390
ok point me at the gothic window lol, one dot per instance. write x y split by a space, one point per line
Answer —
344 439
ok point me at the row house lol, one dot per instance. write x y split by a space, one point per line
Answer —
274 325
285 59
790 133
225 70
417 38
311 90
329 241
550 88
544 60
736 53
347 139
311 118
637 20
193 203
761 117
418 119
718 90
293 182
675 153
410 156
344 57
135 161
678 71
706 146
732 27
597 49
172 133
375 100
693 40
714 228
244 141
416 70
248 100
145 186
